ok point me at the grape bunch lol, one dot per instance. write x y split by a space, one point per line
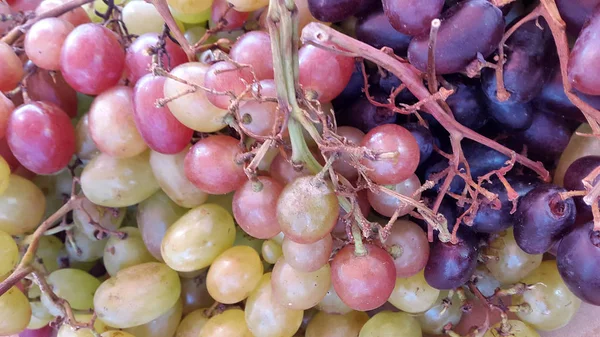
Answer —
299 168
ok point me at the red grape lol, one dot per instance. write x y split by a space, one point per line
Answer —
412 17
44 41
585 55
6 108
283 171
234 19
363 204
226 77
255 211
42 137
342 166
324 72
11 68
254 49
160 129
52 88
92 59
76 17
138 60
7 154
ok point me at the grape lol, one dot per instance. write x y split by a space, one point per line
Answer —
396 141
254 49
40 317
11 69
44 41
323 72
510 116
195 240
271 251
42 153
48 252
194 293
98 66
574 175
582 61
116 333
460 39
387 205
142 18
22 206
170 173
248 5
343 165
517 329
157 125
413 294
5 9
154 216
542 217
87 213
164 325
9 253
579 146
412 17
15 312
6 108
283 171
85 148
230 323
118 182
266 317
435 319
46 331
68 331
255 211
307 209
50 87
467 105
410 248
82 249
307 257
263 115
451 265
119 301
4 175
547 137
353 281
507 262
329 325
193 109
211 165
300 290
76 17
375 30
387 323
333 10
332 303
226 77
127 252
192 324
232 18
138 60
424 139
75 286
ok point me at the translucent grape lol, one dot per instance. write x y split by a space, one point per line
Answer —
194 293
164 325
435 319
299 290
413 294
11 69
516 329
192 324
234 274
137 295
85 148
323 72
332 303
387 205
9 253
88 213
329 325
254 49
271 251
138 60
75 286
22 206
195 240
254 211
76 17
307 257
387 323
127 252
44 41
15 312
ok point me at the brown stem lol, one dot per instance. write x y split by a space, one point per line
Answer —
431 76
163 9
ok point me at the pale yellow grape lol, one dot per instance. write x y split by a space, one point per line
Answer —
122 253
169 172
193 109
9 253
48 253
331 325
230 323
15 312
271 251
82 249
433 320
248 5
190 11
141 18
192 323
137 295
195 240
388 324
299 290
332 303
266 317
413 294
234 274
67 331
22 206
4 174
223 200
40 316
73 285
516 329
579 146
88 213
116 333
552 304
118 182
191 19
163 326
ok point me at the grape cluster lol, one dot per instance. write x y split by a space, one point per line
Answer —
316 168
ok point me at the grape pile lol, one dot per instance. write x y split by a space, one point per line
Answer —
299 168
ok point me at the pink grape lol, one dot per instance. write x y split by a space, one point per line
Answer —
76 17
52 88
11 68
307 257
6 108
7 154
263 115
254 49
44 152
363 204
387 205
138 60
235 19
412 242
255 211
324 72
44 41
342 166
226 77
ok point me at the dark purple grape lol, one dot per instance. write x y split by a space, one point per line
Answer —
542 217
364 116
424 139
531 56
388 82
353 89
412 17
447 209
510 116
450 266
584 63
333 10
467 106
491 220
546 137
575 13
578 170
469 28
375 30
578 261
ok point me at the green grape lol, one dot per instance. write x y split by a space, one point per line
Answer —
40 316
192 323
88 212
266 317
508 263
234 274
22 206
194 34
15 312
332 303
137 295
116 333
433 320
4 174
249 6
579 146
68 331
243 239
122 253
223 200
388 324
198 237
190 11
48 253
230 323
75 286
271 251
515 329
299 290
552 304
154 216
414 294
118 182
9 253
56 189
330 325
163 326
82 249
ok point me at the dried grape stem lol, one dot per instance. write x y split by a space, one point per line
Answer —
431 76
163 9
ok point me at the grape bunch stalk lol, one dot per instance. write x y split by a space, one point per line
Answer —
316 168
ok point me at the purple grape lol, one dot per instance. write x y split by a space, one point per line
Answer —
578 170
546 137
375 30
542 217
424 139
578 261
447 209
450 266
412 17
584 62
575 13
510 116
334 10
467 106
387 82
364 116
469 28
353 89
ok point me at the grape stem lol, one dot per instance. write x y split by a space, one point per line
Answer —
163 9
431 77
